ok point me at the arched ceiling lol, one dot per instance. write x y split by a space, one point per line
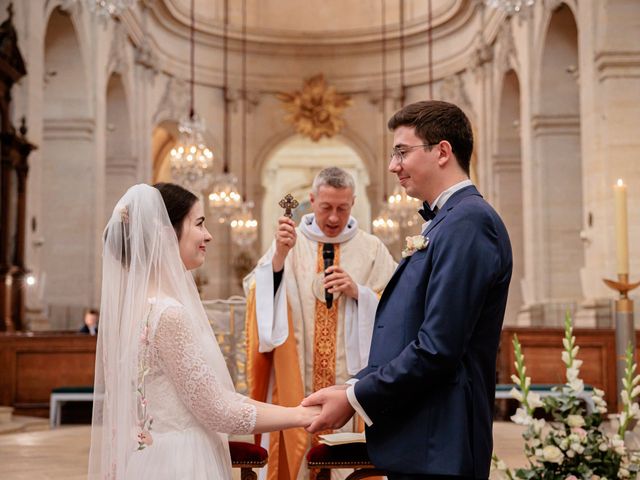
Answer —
278 19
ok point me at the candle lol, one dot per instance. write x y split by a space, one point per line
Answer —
622 236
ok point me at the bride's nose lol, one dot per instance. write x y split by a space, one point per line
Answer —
207 236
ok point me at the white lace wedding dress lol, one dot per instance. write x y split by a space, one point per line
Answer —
190 409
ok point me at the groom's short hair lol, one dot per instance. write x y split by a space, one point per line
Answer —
434 121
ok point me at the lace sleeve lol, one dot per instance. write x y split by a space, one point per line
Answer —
180 355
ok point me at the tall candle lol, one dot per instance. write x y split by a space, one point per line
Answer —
622 235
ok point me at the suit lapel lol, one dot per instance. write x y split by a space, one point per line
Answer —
442 213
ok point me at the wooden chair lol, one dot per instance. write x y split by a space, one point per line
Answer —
247 456
349 455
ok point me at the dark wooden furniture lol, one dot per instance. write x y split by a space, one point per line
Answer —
325 458
542 348
247 456
14 151
33 364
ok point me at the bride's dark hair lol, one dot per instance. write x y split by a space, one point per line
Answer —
178 201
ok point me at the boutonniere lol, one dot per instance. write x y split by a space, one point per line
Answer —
415 243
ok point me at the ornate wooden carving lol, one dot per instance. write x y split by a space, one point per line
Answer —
14 168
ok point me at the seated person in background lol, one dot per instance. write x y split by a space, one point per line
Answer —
90 321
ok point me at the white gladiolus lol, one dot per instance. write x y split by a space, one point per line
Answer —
521 417
538 425
565 344
515 379
575 350
577 363
534 401
577 385
599 393
517 394
565 358
635 392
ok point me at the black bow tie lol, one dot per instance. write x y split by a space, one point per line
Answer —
426 212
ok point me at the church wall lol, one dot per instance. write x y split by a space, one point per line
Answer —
555 174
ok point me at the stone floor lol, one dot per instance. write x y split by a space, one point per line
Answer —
62 453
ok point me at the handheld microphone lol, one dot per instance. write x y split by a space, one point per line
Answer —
328 255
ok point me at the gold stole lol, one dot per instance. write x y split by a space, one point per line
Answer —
324 337
287 448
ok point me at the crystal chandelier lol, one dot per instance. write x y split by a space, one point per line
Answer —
403 207
224 199
244 227
191 159
109 8
385 227
509 6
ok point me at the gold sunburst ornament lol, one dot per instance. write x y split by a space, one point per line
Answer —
316 111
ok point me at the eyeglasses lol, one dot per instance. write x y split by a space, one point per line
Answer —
399 154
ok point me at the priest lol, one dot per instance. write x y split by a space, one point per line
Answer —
311 304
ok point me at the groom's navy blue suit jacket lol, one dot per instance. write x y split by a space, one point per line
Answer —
429 386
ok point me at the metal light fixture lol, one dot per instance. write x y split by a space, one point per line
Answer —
509 7
191 159
106 9
244 227
403 207
386 228
224 199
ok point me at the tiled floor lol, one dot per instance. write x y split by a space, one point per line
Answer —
61 454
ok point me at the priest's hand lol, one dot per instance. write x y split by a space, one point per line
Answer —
337 280
336 409
285 241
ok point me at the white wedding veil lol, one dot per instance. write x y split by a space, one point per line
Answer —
141 259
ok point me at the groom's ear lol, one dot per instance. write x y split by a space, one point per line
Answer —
445 153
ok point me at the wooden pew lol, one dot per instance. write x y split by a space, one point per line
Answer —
33 364
542 348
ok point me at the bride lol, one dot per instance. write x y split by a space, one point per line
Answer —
164 400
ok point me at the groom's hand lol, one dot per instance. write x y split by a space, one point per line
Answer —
336 409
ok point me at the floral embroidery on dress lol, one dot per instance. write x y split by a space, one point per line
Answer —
415 243
145 421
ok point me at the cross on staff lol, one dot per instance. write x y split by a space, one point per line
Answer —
288 203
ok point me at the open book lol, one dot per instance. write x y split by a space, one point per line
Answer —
341 438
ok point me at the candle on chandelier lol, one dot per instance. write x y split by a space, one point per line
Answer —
622 234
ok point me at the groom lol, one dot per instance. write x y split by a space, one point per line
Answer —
427 393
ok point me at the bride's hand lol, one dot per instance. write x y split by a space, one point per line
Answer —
307 415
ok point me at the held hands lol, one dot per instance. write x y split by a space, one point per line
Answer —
336 409
285 240
307 415
337 280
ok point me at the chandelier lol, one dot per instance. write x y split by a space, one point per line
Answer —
109 8
509 6
244 227
403 207
385 227
224 199
191 159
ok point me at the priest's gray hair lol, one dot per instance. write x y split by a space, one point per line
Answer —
333 177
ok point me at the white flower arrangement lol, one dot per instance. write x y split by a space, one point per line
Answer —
574 445
415 243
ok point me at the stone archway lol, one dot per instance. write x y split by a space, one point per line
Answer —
120 164
69 174
291 168
558 187
507 184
